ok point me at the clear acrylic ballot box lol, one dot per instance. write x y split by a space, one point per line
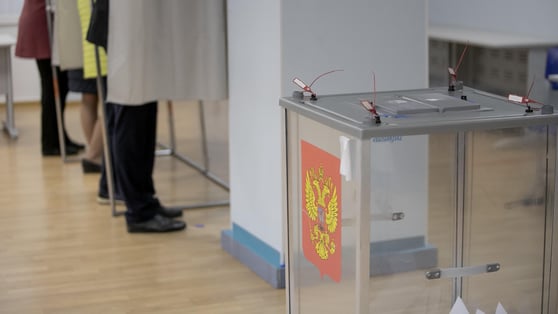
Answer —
433 197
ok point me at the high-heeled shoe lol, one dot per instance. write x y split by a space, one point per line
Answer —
89 166
77 146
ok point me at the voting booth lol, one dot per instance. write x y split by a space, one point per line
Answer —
370 231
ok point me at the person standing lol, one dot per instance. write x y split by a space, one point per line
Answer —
90 121
131 133
33 43
157 50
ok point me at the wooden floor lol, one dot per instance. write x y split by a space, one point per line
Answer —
61 252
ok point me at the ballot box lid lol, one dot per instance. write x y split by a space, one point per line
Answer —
421 111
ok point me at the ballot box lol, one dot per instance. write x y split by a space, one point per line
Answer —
406 201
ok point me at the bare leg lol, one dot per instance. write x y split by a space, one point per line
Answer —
95 149
88 115
91 127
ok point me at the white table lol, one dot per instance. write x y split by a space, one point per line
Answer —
6 85
536 52
487 39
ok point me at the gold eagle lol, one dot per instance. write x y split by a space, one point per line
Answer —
317 189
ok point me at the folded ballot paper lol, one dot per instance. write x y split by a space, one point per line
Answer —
500 309
460 308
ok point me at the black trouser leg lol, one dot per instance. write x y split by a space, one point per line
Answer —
135 132
49 126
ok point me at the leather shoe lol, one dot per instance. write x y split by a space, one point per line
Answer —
169 212
156 224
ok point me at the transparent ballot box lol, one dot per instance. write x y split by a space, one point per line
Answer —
429 197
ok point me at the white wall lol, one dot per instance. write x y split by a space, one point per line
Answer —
537 18
25 76
272 41
254 117
10 7
358 36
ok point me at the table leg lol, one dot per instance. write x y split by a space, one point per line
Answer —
9 124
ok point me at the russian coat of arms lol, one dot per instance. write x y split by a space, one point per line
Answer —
321 210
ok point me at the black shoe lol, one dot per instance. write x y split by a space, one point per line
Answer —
78 146
70 150
90 167
169 212
156 224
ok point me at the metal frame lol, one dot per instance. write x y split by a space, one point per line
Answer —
290 131
167 150
461 154
106 149
9 124
287 195
170 150
362 280
550 282
553 234
50 9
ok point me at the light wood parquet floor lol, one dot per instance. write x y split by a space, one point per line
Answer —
61 252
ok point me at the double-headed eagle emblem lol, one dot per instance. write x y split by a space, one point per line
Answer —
322 208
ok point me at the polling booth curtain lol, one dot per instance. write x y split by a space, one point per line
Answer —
67 35
171 49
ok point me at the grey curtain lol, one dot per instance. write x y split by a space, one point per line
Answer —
170 49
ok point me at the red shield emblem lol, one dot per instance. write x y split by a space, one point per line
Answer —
321 210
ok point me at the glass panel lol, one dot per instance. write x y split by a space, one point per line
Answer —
413 186
321 283
550 289
505 219
415 176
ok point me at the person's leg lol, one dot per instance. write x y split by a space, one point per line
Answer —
49 129
91 126
95 151
88 114
134 151
49 121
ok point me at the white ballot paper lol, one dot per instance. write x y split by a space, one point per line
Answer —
459 307
500 309
345 165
